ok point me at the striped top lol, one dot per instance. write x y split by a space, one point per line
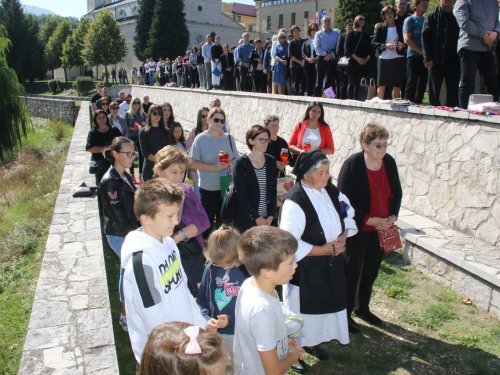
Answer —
261 178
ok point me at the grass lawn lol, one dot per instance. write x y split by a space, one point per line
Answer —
428 330
29 183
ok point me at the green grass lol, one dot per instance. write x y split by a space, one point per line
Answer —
29 182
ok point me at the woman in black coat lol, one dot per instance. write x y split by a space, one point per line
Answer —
227 63
309 58
358 48
366 175
254 177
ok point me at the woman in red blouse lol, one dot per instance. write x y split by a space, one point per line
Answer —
370 180
312 133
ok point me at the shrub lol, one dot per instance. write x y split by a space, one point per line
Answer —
84 85
54 85
58 129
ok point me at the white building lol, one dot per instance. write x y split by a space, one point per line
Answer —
202 17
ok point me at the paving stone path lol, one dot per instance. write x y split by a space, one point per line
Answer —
70 330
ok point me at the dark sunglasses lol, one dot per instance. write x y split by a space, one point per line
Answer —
115 107
361 18
313 29
104 103
203 116
136 103
156 113
217 120
128 100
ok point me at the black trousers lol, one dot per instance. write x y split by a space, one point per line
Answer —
470 61
310 76
244 79
328 68
363 258
259 81
417 79
298 81
354 75
343 82
212 203
195 77
227 82
450 72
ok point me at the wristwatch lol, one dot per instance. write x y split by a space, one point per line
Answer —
186 238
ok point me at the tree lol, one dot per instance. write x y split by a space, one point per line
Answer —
14 117
142 28
35 66
47 29
351 8
54 47
20 31
169 35
42 19
104 43
72 49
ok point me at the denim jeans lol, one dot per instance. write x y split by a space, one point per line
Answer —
115 243
208 73
202 76
151 78
470 61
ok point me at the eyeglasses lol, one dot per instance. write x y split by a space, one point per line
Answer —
361 18
313 29
114 107
104 103
203 116
264 140
217 120
156 113
136 103
129 154
128 100
380 145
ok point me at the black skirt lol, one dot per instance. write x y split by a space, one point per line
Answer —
390 72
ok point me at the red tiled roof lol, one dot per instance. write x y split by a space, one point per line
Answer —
244 10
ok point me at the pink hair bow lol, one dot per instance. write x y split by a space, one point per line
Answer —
193 347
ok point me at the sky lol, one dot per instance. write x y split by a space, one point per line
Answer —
78 8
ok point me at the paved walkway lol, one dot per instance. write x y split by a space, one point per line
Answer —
70 330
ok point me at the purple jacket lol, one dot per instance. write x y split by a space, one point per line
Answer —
194 213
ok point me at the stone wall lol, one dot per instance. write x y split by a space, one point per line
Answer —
448 162
63 110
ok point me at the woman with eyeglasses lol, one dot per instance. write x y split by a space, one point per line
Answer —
99 140
370 180
171 163
116 120
205 158
152 138
357 48
312 132
116 192
103 104
200 126
255 181
281 75
135 119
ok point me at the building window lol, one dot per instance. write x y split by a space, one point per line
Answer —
280 22
136 9
239 18
306 15
234 17
293 19
122 13
268 22
200 8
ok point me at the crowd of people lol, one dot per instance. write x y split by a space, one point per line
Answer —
407 54
200 293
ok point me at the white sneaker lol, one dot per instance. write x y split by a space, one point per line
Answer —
123 322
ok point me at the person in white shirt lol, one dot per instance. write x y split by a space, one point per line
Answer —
152 71
206 52
124 106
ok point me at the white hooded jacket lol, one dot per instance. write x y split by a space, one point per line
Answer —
155 287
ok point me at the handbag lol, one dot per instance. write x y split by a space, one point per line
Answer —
372 90
345 61
97 166
229 204
389 239
190 247
363 90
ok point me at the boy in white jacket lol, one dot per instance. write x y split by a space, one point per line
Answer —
154 283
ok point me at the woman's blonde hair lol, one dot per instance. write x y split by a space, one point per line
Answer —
169 155
130 110
222 245
215 110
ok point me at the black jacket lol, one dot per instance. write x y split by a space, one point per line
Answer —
378 42
357 43
254 57
439 29
227 63
295 50
118 204
247 188
306 52
353 182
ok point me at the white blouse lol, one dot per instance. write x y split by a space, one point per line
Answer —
293 218
313 136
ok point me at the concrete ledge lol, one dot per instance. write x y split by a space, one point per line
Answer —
469 266
70 329
52 108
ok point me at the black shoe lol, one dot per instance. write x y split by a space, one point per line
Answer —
353 326
300 367
369 317
317 351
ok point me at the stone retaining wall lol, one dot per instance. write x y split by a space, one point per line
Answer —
58 109
448 162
